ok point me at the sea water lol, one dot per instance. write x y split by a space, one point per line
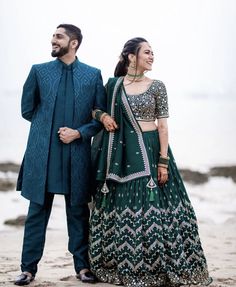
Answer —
201 134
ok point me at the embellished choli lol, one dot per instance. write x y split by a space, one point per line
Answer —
151 104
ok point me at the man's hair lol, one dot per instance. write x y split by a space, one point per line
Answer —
73 32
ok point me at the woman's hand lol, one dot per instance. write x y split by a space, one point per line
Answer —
109 123
162 175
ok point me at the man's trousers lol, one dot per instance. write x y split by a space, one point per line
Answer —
35 232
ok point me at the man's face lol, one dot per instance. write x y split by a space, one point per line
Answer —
60 43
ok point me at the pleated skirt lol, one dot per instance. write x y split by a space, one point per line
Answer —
147 237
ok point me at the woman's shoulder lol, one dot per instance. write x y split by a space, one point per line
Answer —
111 82
158 85
158 82
112 79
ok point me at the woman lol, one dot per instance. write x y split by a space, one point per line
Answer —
143 228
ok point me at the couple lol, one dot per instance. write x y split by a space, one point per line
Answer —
142 230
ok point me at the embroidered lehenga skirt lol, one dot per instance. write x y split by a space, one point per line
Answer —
147 237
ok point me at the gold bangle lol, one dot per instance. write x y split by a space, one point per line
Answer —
102 116
162 165
164 156
96 114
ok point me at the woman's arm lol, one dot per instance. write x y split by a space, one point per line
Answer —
163 136
162 170
108 122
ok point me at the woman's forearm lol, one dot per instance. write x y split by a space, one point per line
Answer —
164 139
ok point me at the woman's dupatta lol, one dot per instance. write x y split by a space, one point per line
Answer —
121 155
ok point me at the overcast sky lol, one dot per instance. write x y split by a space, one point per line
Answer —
194 41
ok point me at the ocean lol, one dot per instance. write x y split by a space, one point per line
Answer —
201 135
202 130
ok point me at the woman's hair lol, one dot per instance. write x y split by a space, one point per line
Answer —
73 32
131 47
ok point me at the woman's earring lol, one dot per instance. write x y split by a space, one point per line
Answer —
133 65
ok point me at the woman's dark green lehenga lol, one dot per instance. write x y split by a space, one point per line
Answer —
144 235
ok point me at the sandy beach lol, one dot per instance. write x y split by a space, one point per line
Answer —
215 205
56 267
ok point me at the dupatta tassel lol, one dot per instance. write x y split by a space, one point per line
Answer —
151 184
151 196
104 200
104 190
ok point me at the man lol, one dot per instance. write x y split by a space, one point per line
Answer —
58 99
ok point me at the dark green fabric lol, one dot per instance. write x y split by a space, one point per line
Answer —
114 155
141 233
136 241
59 163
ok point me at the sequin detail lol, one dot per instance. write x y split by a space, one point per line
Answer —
152 104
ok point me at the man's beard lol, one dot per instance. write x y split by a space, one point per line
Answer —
61 52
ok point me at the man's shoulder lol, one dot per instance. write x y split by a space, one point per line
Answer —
45 64
54 64
88 67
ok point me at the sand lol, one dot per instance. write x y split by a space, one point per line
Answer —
215 207
56 266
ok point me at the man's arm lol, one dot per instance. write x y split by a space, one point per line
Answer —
88 130
30 96
93 127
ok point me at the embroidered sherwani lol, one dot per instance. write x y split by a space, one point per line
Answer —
59 159
39 99
56 95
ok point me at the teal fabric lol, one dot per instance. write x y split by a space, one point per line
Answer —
59 163
38 104
147 237
35 231
54 97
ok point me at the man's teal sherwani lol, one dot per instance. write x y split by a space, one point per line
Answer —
54 94
38 103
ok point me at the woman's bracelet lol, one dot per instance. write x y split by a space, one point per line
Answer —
163 161
162 165
164 156
98 114
103 116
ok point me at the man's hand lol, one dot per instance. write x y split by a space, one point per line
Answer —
68 135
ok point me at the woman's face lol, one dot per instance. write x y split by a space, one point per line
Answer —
145 57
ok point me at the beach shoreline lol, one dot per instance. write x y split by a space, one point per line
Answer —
56 266
214 201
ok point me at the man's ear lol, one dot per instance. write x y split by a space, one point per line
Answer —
74 43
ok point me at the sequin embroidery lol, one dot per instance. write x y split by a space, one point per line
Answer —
152 104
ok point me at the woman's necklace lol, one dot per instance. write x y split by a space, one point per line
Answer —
134 78
135 75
